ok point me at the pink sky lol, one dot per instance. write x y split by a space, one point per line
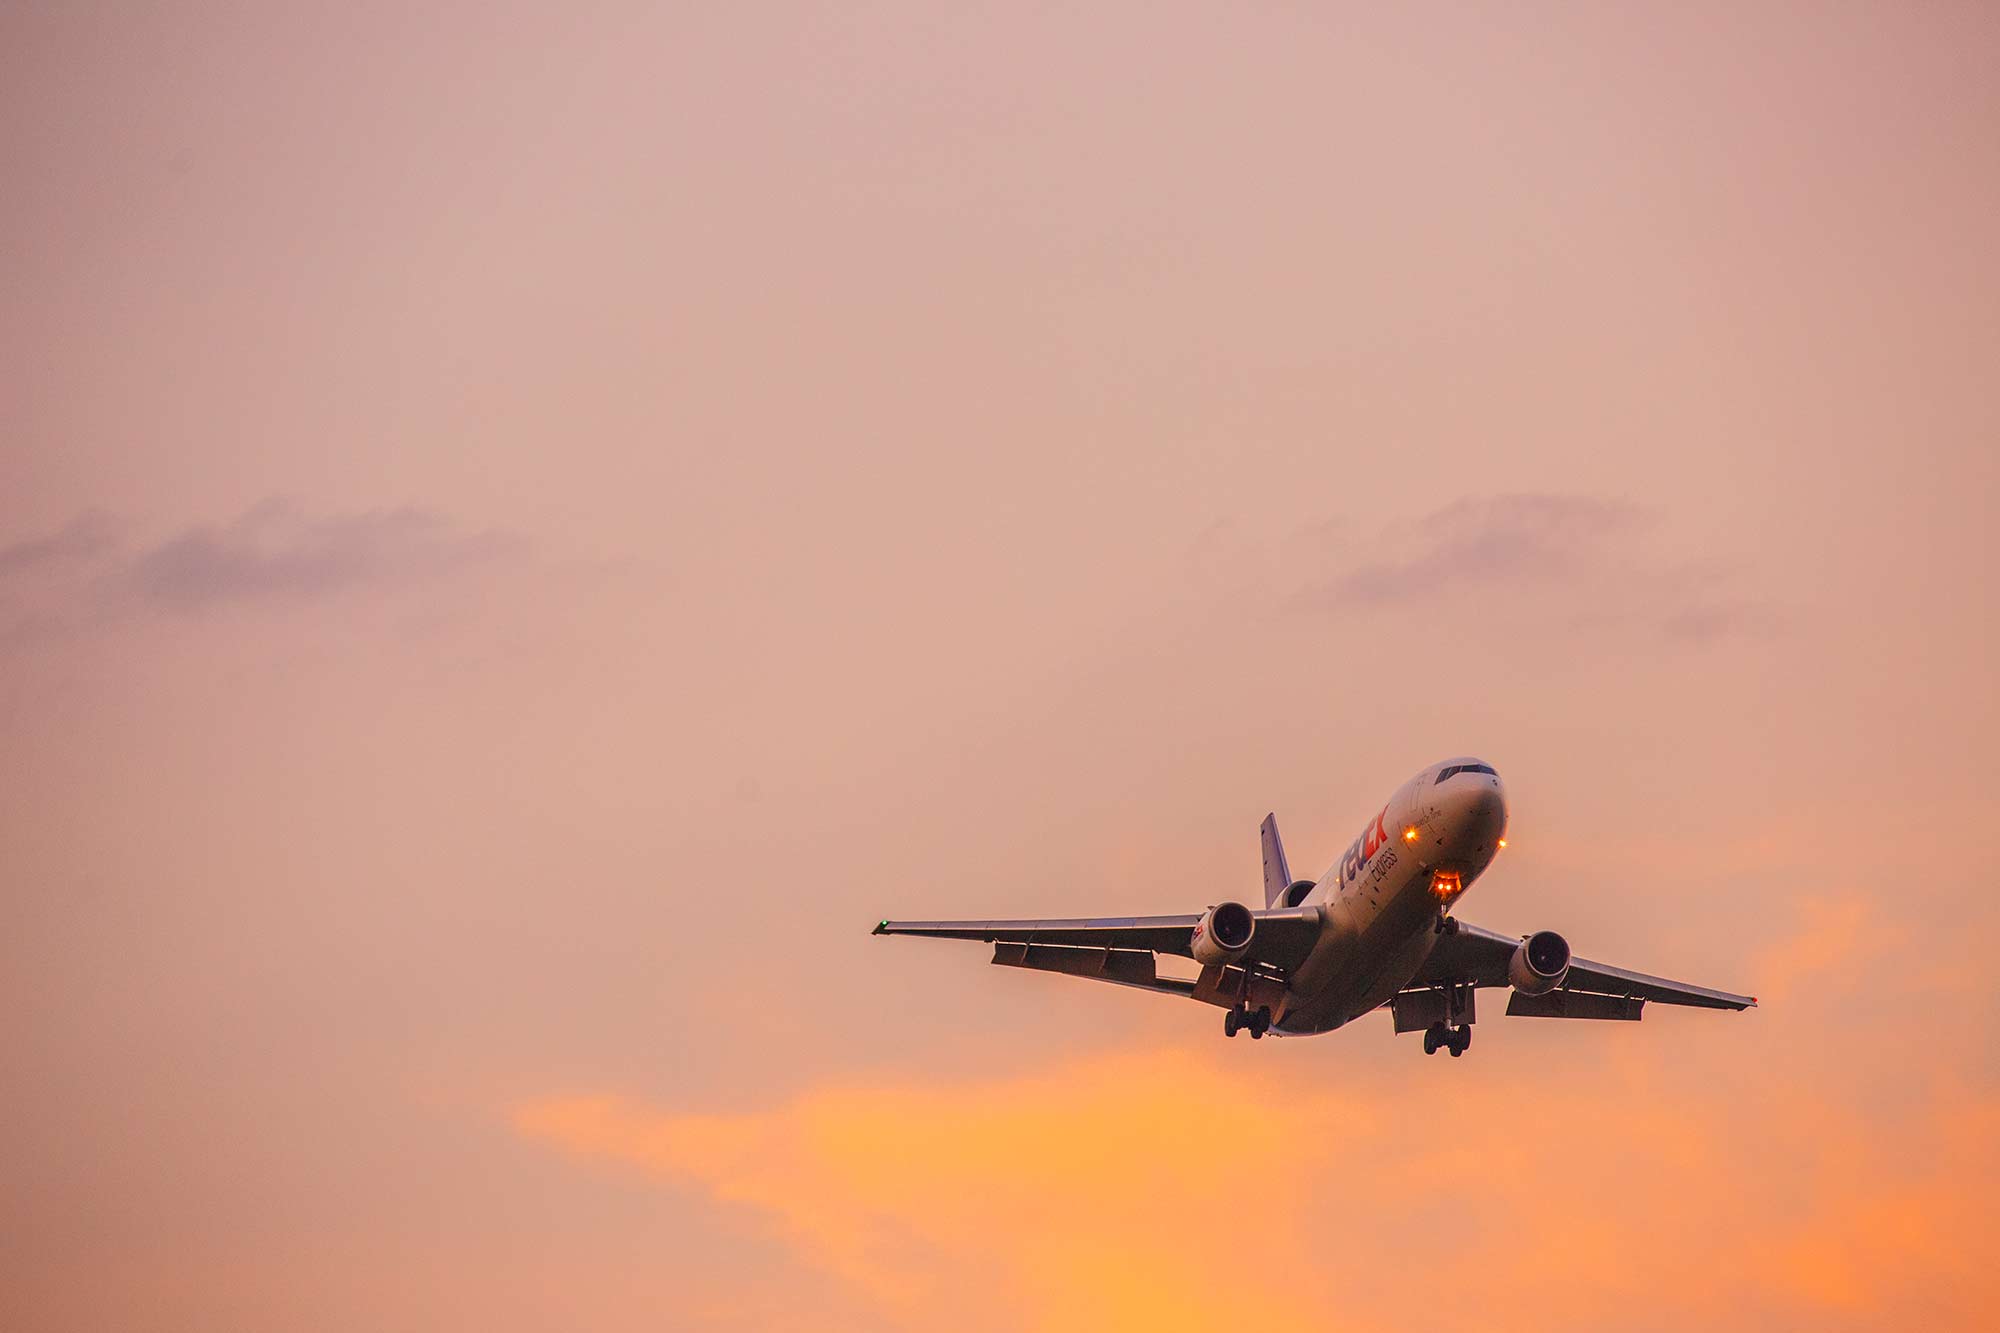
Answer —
523 531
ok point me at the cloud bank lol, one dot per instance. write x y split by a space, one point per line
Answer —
1622 1194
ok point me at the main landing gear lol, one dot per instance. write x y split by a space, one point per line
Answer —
1438 1037
1243 1020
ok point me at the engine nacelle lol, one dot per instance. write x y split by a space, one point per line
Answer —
1223 934
1539 964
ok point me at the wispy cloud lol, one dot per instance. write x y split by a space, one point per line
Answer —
1580 560
83 539
275 552
1480 542
1830 935
92 572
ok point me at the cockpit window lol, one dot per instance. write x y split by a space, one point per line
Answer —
1453 770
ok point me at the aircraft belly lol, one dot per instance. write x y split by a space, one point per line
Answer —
1385 943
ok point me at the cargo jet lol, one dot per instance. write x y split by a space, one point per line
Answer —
1375 931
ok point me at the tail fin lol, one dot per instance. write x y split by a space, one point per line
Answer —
1277 874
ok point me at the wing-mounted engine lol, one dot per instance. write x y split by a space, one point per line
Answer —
1539 964
1224 932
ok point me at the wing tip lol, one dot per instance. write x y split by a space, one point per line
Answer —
881 927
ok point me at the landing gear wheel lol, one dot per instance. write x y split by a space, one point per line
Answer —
1457 1048
1465 1038
1260 1022
1434 1037
1231 1022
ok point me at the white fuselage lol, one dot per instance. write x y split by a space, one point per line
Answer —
1386 893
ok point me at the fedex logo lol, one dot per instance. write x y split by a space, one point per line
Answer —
1363 851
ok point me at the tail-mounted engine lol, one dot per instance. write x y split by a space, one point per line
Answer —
1539 964
1223 934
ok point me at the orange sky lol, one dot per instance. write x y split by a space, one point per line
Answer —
524 531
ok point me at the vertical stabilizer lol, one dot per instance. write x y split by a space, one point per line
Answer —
1277 874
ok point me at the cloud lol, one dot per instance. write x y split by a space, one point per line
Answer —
1577 560
1172 1191
1499 539
89 572
85 537
274 552
1050 1182
1832 936
50 582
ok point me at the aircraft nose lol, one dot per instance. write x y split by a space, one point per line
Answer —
1476 810
1486 811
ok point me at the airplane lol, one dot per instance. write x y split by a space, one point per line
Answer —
1375 931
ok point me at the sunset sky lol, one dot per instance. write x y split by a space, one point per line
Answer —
524 530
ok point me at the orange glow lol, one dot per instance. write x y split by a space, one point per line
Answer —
1503 844
1163 599
1446 885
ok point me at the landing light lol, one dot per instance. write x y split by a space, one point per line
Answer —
1410 834
1503 844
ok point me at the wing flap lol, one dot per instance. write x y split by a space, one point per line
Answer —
1575 1004
1124 967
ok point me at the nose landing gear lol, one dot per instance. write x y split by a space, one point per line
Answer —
1243 1020
1439 1036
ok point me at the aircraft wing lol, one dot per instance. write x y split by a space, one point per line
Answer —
1282 938
1479 957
